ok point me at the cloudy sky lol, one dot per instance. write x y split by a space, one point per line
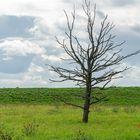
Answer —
27 38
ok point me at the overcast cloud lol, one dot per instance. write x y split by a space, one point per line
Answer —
27 38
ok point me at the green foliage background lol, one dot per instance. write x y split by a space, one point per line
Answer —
115 96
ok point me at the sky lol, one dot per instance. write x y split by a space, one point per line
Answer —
27 39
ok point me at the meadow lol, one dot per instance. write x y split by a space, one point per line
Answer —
32 114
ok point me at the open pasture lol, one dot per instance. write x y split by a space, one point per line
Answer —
32 114
44 122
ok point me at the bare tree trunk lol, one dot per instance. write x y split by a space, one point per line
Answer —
86 111
87 102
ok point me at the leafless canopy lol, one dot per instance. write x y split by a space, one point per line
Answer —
101 54
96 64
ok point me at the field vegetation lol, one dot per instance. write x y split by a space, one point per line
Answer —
115 95
32 114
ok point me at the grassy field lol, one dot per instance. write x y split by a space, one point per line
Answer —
32 114
44 122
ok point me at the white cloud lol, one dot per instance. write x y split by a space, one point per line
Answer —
35 69
129 77
33 77
51 58
11 48
26 82
52 11
6 82
134 73
40 29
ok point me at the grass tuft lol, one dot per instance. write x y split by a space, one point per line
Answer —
30 128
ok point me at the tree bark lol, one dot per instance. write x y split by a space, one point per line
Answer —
87 101
86 111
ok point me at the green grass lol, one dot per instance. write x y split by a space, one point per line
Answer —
64 123
116 96
33 114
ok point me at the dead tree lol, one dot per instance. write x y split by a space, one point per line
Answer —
96 64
